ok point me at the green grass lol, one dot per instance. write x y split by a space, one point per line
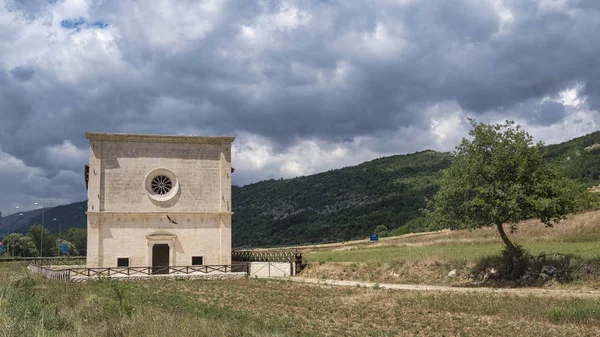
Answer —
575 311
454 252
32 306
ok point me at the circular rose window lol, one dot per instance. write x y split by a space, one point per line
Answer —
161 185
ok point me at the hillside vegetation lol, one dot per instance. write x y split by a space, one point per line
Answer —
339 204
578 158
347 203
571 247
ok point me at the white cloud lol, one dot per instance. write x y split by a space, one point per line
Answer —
256 158
66 156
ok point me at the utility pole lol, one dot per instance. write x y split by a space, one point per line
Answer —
59 240
42 231
11 224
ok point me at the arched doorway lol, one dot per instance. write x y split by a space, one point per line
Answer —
160 259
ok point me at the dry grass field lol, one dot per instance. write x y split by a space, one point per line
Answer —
428 257
32 306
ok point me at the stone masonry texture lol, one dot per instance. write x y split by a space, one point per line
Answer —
126 219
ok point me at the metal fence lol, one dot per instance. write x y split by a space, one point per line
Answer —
294 257
265 256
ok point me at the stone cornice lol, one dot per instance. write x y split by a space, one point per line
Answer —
158 213
132 137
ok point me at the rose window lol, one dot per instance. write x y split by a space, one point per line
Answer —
161 184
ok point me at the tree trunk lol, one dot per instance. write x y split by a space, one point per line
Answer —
517 265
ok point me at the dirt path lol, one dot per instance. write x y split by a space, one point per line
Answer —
473 290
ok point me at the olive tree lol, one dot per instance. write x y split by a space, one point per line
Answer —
497 178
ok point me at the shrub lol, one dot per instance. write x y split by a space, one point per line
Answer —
503 263
560 267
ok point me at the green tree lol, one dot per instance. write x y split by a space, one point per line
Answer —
71 249
78 236
500 177
49 244
381 230
20 245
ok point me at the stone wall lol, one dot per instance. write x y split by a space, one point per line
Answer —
125 220
126 235
118 173
267 269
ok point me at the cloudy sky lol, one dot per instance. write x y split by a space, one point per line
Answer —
305 85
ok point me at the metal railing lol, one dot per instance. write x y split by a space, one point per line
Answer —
265 256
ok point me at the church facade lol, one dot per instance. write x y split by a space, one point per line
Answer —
158 200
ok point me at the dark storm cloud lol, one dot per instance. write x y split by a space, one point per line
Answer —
23 74
451 51
330 71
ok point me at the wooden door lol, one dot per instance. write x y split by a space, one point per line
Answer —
160 259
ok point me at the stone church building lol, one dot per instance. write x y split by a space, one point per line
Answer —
158 200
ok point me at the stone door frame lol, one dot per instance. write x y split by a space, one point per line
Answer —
158 238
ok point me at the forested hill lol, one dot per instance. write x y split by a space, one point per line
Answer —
578 158
336 205
346 203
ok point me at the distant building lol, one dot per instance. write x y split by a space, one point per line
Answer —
158 200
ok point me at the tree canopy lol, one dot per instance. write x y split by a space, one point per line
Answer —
499 176
20 245
43 239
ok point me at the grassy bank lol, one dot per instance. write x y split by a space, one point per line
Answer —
469 251
428 257
31 306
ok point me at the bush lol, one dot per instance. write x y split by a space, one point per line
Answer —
502 263
560 267
381 230
20 245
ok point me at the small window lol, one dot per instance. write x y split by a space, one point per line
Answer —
123 262
197 261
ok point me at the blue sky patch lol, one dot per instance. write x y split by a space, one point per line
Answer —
72 23
79 23
98 24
